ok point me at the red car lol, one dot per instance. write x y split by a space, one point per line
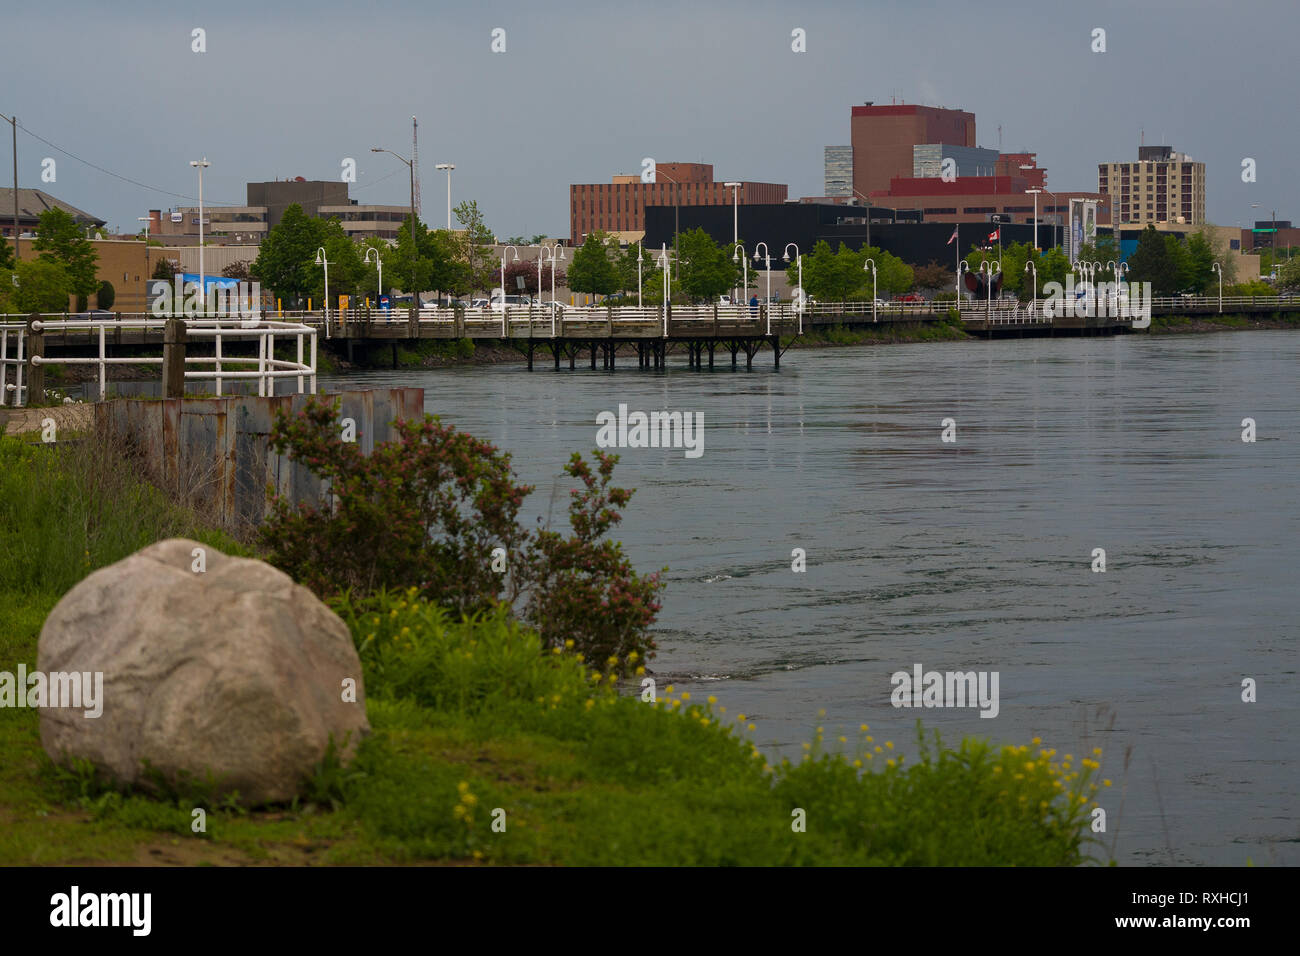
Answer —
910 297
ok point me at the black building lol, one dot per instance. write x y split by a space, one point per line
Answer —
806 224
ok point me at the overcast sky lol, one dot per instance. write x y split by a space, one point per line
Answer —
586 90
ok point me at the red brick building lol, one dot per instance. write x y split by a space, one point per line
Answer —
619 206
883 136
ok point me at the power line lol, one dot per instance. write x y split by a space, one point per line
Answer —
159 189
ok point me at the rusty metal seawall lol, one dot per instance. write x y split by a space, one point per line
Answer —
218 449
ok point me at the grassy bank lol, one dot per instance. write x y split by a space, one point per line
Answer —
473 724
1164 324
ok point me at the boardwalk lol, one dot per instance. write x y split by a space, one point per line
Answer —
564 334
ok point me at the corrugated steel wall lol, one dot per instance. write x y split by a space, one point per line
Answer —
218 449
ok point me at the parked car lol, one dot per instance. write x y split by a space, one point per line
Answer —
724 300
909 297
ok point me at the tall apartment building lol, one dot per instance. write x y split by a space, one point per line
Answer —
1162 186
619 206
838 171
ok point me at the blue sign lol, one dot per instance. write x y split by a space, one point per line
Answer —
210 282
383 303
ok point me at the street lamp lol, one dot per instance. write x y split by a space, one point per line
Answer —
860 196
380 262
503 285
322 261
146 220
663 267
766 256
556 252
735 216
1219 269
987 267
872 264
962 266
448 167
1035 193
200 165
1029 265
799 259
1056 204
414 251
677 195
738 255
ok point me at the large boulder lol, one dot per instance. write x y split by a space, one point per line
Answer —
231 673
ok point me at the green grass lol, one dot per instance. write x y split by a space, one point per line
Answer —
909 332
471 717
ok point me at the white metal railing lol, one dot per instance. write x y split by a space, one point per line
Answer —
219 330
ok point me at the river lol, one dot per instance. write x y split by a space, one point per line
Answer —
975 554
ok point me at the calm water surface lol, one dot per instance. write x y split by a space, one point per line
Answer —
974 555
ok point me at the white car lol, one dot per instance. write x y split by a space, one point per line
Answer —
724 300
513 301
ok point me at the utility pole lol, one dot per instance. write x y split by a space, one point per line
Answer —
13 121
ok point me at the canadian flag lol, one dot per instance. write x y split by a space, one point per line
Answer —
995 235
953 237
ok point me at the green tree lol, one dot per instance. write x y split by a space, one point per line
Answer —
58 239
706 268
6 254
1288 275
625 266
1155 261
933 276
286 260
165 269
43 286
592 270
475 247
106 295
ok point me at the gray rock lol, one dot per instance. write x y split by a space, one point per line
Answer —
233 672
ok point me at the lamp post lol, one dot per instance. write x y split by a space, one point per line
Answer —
872 264
1035 193
803 300
322 261
677 195
503 285
414 251
767 258
380 262
448 167
148 273
735 216
663 267
557 252
868 201
987 267
1056 204
962 266
738 255
1219 269
1033 307
200 165
13 122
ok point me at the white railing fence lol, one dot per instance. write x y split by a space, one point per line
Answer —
217 368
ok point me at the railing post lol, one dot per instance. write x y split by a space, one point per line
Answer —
173 383
35 371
